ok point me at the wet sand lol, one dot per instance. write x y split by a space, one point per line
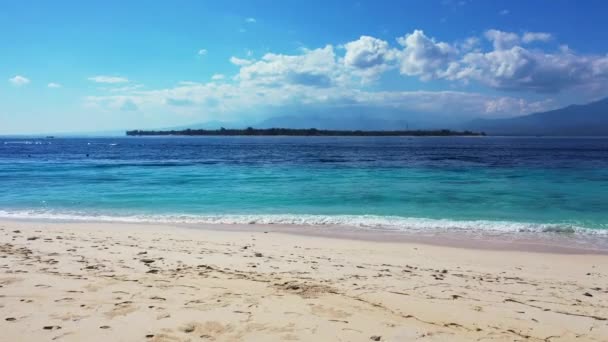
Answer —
144 282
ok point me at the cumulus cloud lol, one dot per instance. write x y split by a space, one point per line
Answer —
19 81
369 55
521 69
502 40
471 43
315 80
108 79
315 68
329 78
54 85
508 66
423 56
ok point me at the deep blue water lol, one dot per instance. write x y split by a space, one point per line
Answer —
499 183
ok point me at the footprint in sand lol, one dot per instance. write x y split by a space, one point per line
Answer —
9 281
69 317
211 329
51 327
162 338
329 312
121 309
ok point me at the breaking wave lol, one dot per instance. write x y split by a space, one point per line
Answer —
367 222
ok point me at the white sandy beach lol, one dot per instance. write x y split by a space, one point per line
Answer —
128 282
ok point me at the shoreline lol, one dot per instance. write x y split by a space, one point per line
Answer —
529 242
161 283
548 242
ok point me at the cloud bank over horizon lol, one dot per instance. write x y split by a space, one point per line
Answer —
349 75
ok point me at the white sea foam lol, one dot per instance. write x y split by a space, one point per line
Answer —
26 142
367 222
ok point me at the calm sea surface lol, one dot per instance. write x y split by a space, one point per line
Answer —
396 183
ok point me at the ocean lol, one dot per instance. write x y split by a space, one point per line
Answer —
501 184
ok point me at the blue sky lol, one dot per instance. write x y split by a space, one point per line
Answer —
113 65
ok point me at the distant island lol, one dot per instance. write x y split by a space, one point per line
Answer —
303 132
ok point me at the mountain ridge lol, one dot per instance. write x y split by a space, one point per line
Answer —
589 119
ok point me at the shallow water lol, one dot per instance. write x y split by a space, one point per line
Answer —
394 183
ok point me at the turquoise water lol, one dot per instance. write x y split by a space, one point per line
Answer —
506 184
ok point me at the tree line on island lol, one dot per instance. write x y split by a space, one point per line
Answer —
250 131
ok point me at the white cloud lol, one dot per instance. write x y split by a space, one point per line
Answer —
530 37
366 52
202 52
315 68
246 101
516 106
19 81
250 20
423 56
114 102
312 81
369 56
54 85
505 40
502 40
521 69
239 61
326 78
469 44
108 79
508 66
